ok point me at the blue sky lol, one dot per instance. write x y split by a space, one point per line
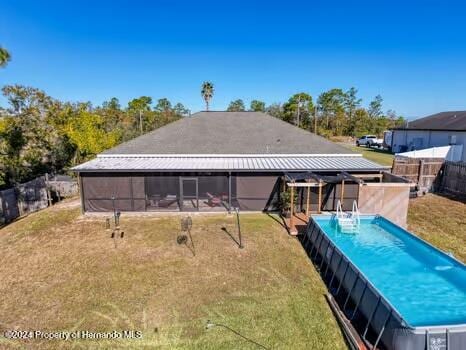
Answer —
413 53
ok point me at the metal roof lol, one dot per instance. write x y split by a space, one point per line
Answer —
109 163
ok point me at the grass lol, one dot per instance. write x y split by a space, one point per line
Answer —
380 156
441 221
61 271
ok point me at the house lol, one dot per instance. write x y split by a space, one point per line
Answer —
215 161
441 129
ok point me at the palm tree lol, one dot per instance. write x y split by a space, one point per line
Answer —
207 91
4 57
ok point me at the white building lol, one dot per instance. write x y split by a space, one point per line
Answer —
441 129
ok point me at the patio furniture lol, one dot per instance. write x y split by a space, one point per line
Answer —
213 201
167 201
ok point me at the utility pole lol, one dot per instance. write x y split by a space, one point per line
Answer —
297 117
140 121
315 119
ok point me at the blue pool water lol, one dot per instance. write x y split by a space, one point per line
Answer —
427 287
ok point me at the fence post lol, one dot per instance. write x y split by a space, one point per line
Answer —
2 211
19 200
420 174
49 195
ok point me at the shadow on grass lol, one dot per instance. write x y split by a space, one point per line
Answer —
373 149
453 196
14 220
224 229
280 220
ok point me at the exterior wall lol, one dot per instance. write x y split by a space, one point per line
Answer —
390 200
404 140
408 140
398 140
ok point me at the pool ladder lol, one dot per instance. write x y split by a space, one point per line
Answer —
348 222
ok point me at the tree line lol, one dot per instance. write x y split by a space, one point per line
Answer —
40 134
335 113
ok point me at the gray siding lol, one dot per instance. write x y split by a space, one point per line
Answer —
408 140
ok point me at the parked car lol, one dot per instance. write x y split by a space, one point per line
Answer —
369 141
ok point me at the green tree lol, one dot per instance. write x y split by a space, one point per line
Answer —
180 110
89 135
30 145
41 134
297 110
138 108
394 119
375 107
236 106
331 106
114 116
207 92
257 106
351 102
142 103
275 110
113 104
4 57
163 105
12 141
361 122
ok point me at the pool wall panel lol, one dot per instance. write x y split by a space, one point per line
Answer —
377 320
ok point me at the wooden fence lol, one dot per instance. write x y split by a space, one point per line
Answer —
424 172
453 178
33 196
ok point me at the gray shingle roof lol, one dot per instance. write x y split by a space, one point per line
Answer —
229 133
454 120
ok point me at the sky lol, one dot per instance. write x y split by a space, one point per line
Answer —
413 53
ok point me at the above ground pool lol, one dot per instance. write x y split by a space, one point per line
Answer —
399 291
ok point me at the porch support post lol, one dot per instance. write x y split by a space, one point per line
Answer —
81 192
291 206
320 197
229 192
342 193
307 200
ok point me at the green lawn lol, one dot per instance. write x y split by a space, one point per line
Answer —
377 155
441 221
60 271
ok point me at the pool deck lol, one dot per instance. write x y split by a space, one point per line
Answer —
297 224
